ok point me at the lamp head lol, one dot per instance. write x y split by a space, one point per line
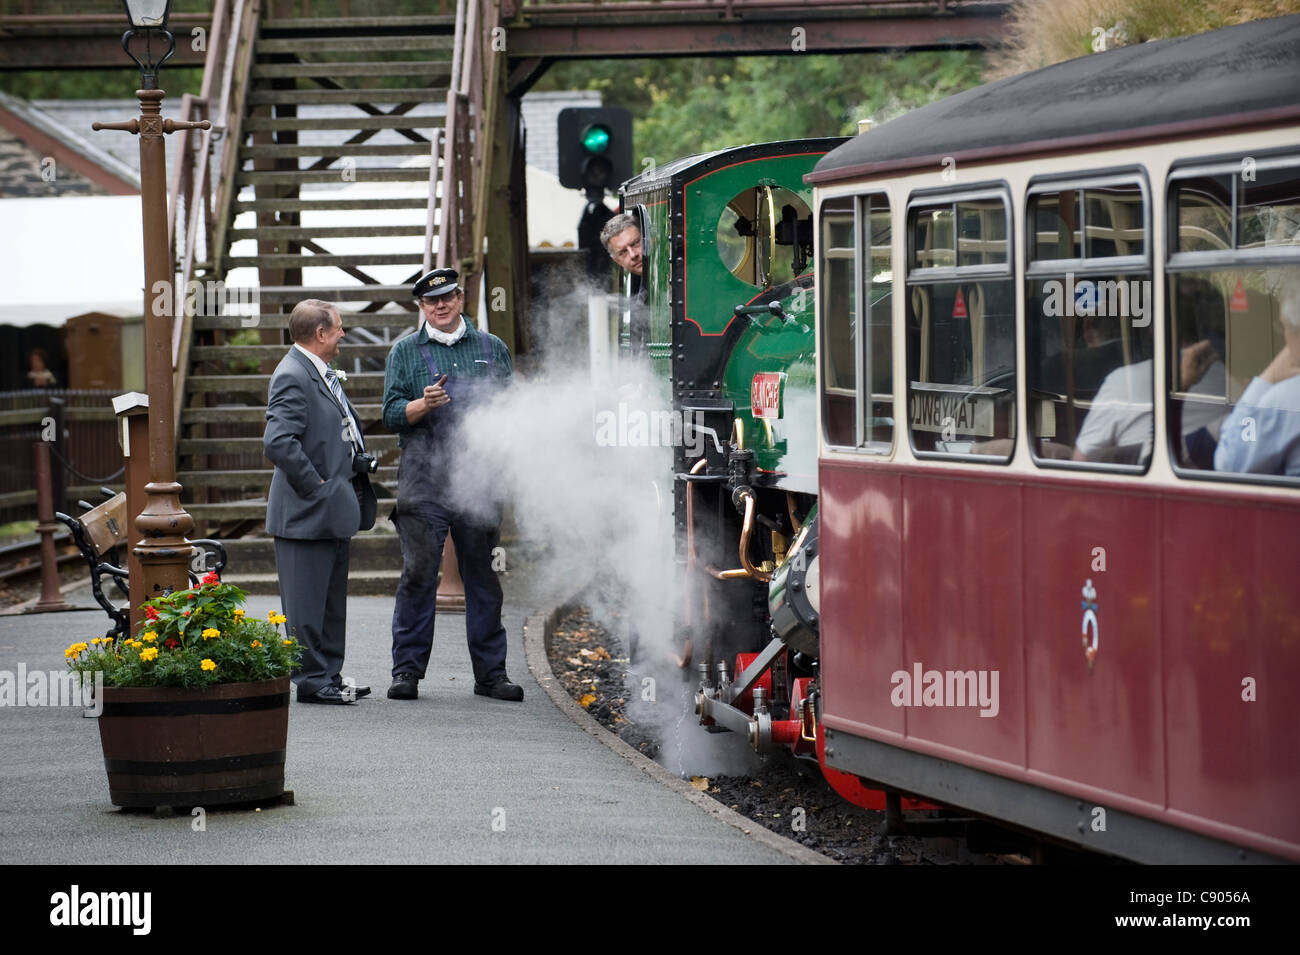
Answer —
145 14
149 17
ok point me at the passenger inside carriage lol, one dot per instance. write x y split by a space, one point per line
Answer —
1118 427
1262 433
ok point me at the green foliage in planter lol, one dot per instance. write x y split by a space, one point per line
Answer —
196 637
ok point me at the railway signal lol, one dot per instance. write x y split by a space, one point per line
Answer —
595 147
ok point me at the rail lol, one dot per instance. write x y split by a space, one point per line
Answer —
733 9
465 144
200 204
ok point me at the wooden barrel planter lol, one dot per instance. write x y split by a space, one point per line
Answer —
169 746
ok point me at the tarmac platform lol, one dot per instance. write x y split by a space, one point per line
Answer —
380 781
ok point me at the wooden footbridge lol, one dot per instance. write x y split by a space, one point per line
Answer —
339 127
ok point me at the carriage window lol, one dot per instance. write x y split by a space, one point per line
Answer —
932 238
1088 329
1055 218
878 362
982 235
856 290
1234 323
961 341
838 287
1268 210
1203 211
1113 219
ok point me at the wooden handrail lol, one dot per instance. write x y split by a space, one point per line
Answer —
229 61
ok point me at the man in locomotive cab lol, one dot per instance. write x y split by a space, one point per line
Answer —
621 238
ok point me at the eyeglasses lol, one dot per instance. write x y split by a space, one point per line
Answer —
444 300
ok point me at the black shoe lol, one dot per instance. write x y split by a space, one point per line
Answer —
406 686
502 689
354 690
326 694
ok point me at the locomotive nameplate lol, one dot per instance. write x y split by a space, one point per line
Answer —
957 409
765 394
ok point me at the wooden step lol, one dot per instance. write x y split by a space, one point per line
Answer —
294 294
313 44
337 149
347 352
246 510
375 444
364 578
358 383
432 69
312 260
332 176
330 205
393 320
257 477
268 233
375 94
256 414
360 121
375 549
302 26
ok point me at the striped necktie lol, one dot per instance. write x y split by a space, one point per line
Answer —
332 380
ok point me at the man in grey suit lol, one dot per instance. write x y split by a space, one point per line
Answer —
313 437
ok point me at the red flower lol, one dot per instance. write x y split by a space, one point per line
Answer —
171 642
185 613
211 578
190 596
150 613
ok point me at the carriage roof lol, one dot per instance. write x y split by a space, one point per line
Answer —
1239 76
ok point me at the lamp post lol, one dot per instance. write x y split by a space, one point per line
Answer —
163 553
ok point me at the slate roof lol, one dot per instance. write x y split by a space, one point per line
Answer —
1235 76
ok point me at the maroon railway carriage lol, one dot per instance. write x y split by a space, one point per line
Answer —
1059 513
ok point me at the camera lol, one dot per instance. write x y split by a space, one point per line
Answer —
364 463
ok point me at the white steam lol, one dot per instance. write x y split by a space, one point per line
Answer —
596 510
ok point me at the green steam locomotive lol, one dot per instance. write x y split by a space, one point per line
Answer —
724 310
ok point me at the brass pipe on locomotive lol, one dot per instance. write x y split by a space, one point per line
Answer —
745 495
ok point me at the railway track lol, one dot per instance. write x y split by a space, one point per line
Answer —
21 562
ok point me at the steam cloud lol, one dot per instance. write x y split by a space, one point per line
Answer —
596 511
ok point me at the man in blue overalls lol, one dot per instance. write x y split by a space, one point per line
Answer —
433 379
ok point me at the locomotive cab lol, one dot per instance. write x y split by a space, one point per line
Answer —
728 312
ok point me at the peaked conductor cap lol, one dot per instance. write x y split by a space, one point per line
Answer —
436 284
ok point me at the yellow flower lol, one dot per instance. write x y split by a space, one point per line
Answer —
150 637
208 665
239 613
150 654
211 632
69 653
286 641
276 618
255 644
77 648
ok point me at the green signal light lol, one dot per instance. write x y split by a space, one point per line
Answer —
596 139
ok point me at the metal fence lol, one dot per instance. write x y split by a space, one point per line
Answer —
82 430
